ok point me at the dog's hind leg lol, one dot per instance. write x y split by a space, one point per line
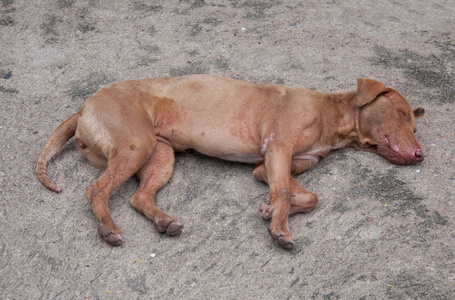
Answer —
155 173
302 200
122 164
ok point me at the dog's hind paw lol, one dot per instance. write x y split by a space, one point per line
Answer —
266 210
110 236
168 226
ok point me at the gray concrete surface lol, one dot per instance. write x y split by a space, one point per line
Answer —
380 231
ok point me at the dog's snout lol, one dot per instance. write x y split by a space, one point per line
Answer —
419 156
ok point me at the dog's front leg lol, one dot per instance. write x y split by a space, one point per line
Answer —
278 166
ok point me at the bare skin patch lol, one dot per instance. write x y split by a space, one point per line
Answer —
266 142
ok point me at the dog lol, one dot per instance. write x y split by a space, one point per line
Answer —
133 128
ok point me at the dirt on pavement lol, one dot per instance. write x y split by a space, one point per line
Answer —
380 231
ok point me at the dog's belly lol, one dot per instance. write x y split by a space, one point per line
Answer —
217 145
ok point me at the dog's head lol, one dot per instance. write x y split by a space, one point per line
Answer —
385 123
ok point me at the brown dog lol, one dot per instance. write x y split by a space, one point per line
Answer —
134 127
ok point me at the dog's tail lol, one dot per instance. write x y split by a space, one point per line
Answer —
53 145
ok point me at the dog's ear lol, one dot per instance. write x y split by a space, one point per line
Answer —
368 90
418 112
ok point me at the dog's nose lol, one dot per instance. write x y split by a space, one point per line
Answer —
418 155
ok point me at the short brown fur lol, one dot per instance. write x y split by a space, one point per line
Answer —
134 127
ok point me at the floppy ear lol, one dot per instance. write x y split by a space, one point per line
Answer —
368 90
418 112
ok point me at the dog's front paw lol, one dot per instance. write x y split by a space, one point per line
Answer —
283 239
266 210
109 235
167 225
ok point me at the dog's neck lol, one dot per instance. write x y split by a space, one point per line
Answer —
343 128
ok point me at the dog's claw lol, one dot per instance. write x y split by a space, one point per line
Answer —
110 236
168 226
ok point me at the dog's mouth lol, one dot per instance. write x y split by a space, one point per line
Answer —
384 148
393 156
394 153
